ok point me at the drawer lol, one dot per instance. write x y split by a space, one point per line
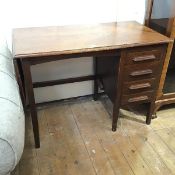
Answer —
143 71
138 98
143 55
139 86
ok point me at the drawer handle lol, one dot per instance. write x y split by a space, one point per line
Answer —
144 58
140 86
136 99
142 72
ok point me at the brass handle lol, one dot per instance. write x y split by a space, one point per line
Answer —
141 72
144 58
136 99
140 86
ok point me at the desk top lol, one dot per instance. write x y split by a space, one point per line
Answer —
47 41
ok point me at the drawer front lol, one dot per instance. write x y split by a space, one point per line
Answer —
138 98
139 86
143 55
143 71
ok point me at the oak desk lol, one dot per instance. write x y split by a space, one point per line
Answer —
128 60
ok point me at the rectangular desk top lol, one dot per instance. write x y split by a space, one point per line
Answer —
47 41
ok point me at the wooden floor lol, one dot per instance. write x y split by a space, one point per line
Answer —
76 139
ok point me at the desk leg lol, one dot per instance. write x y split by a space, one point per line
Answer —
30 94
115 116
150 112
20 83
116 107
96 79
118 91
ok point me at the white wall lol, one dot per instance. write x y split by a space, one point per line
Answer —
26 13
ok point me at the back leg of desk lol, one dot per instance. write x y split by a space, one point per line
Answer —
95 79
20 83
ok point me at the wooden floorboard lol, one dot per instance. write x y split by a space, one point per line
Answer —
76 139
98 157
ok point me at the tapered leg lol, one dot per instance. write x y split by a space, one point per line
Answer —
31 99
118 91
20 83
150 113
117 101
115 116
96 79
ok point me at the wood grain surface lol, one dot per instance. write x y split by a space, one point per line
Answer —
77 140
44 41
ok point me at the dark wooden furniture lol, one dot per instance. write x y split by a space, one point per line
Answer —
128 59
160 16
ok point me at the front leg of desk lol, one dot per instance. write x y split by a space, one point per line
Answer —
109 71
118 91
30 94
